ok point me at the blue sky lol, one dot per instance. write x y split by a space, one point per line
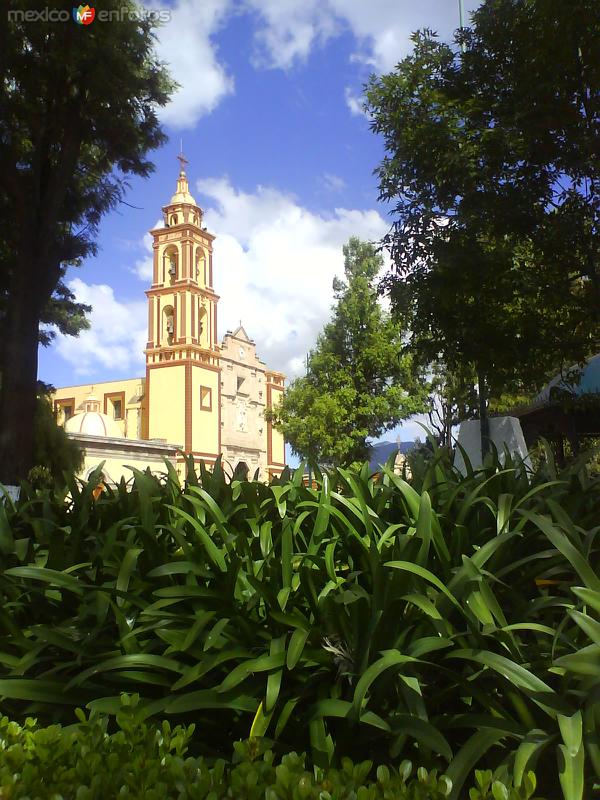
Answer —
281 159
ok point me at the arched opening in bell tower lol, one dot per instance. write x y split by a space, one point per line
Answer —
170 264
200 273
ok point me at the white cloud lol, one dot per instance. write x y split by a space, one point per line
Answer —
354 102
333 183
117 336
274 262
291 29
144 267
382 28
186 45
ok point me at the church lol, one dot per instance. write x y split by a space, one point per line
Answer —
198 397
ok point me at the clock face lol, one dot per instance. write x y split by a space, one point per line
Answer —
242 352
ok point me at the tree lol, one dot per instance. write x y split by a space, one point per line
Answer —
77 115
359 381
493 165
452 398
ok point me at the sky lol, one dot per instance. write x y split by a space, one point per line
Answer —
281 160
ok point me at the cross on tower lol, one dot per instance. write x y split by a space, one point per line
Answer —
182 161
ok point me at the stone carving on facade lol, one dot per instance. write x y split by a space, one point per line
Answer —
242 418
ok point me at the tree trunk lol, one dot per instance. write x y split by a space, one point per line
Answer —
448 434
18 394
484 421
561 452
448 425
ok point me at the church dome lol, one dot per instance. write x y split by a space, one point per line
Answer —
182 195
92 422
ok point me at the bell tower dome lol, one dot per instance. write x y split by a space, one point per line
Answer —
182 353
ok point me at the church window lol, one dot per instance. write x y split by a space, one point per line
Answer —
114 405
173 219
64 409
240 383
205 398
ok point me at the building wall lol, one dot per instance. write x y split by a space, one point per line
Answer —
204 411
275 440
117 456
243 391
166 401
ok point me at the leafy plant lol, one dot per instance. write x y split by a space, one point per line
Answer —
452 621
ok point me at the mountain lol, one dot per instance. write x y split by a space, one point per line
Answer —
381 451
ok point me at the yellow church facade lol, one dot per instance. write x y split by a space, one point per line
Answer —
199 396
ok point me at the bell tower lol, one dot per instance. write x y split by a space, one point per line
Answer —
183 385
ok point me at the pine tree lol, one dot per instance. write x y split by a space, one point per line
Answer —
359 381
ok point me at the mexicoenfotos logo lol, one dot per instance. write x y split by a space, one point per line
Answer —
84 15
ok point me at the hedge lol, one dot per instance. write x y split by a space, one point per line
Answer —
145 761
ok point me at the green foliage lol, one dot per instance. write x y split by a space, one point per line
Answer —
359 381
54 452
63 313
496 202
452 622
150 762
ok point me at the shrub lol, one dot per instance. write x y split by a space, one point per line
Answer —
452 621
54 452
142 761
